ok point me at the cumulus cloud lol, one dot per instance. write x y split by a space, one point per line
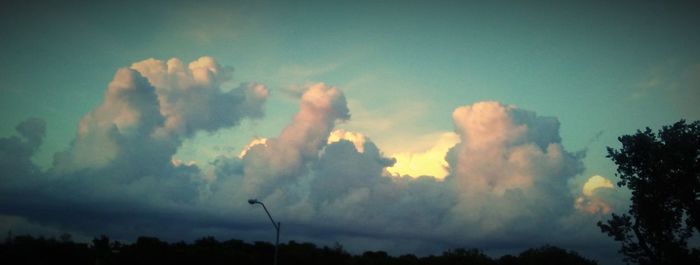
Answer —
508 173
122 153
499 178
510 170
119 126
286 156
150 108
503 147
191 98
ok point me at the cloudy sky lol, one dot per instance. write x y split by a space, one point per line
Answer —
411 127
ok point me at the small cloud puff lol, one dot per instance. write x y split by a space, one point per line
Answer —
590 200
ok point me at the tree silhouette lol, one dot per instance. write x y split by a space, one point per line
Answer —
464 256
663 172
550 255
208 250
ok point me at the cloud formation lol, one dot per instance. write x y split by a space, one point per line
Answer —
150 108
121 158
498 179
191 98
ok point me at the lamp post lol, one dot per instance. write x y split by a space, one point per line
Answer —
276 225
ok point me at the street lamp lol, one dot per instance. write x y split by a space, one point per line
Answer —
276 225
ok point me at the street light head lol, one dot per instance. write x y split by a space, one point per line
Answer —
276 225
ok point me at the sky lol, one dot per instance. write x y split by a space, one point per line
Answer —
407 126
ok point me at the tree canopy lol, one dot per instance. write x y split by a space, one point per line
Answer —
662 170
208 250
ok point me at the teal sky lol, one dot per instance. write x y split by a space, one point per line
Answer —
601 69
597 67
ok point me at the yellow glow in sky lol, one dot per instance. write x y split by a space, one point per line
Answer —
590 203
429 163
596 182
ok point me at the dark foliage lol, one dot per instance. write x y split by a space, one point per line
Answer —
208 250
663 172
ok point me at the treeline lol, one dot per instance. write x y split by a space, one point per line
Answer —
208 250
